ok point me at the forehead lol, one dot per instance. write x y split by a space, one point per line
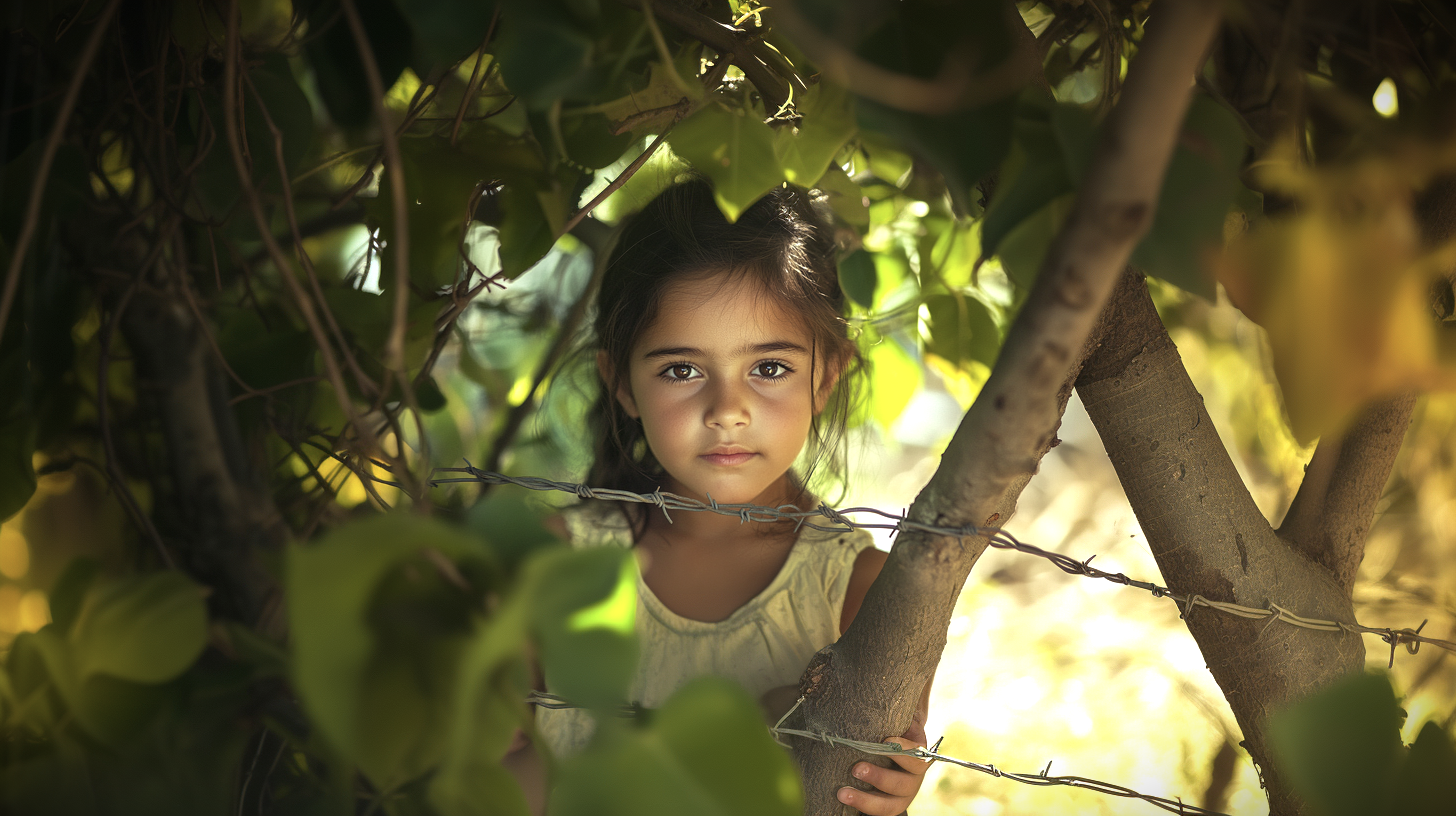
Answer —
722 311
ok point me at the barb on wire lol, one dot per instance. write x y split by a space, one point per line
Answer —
839 521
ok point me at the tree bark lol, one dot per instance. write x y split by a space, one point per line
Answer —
221 519
1331 514
866 685
1206 533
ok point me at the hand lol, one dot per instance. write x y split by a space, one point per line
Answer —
895 787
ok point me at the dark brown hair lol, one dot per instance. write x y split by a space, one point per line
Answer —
779 244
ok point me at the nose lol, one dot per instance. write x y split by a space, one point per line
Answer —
728 405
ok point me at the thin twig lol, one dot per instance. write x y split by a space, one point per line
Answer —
285 270
617 182
47 158
301 252
393 166
470 87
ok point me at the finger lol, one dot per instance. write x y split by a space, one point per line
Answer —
874 804
913 765
892 781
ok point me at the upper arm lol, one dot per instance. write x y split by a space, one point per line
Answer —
867 567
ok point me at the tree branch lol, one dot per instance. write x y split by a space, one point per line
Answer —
726 40
955 87
1330 517
47 158
1205 531
1000 440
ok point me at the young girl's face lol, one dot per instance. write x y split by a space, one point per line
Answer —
722 382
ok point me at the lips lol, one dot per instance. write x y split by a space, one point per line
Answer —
728 455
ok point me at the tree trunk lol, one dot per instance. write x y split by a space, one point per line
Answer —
866 685
1206 533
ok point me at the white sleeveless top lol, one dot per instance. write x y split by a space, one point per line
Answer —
764 644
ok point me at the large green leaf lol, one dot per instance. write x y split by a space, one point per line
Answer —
962 329
375 646
146 629
705 752
583 608
489 703
964 146
1426 785
544 55
1340 748
828 124
1035 172
733 147
448 29
334 55
1200 187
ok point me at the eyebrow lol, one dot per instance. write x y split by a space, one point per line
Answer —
759 348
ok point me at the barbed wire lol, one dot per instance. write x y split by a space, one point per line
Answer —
995 536
543 699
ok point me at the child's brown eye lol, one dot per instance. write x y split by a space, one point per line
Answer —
680 372
771 370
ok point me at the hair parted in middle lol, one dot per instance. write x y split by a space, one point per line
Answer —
780 245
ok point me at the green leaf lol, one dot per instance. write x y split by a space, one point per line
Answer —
278 93
146 629
964 146
1339 747
374 647
112 709
69 591
828 124
489 703
845 197
513 528
1426 785
334 56
429 395
1201 185
857 277
733 148
1024 248
17 473
583 609
449 30
526 232
894 378
1035 172
705 752
962 329
543 56
590 142
657 103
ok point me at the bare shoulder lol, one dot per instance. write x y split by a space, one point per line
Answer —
867 566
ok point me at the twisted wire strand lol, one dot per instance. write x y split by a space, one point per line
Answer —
996 537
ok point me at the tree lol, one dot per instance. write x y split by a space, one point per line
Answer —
245 239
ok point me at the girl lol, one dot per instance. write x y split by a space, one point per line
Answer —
723 349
